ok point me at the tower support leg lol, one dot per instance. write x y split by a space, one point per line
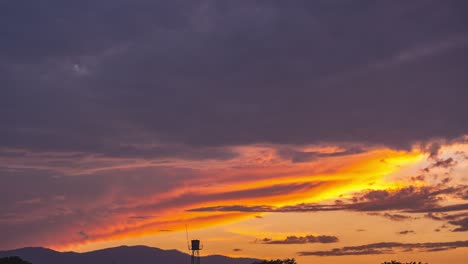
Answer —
195 258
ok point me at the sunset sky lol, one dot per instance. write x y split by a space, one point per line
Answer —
327 130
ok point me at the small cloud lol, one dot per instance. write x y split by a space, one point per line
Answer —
262 240
80 70
444 163
406 232
396 217
83 235
419 178
237 249
441 163
461 223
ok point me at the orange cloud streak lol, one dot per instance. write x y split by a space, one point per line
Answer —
257 177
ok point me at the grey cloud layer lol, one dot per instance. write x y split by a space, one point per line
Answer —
93 75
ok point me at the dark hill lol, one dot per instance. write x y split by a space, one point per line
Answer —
117 255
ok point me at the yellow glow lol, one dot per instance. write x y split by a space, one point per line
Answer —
328 178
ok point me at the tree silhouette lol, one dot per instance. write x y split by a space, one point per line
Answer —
13 260
278 261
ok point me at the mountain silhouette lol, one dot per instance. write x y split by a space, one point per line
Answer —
117 255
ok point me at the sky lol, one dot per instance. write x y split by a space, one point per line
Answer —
327 131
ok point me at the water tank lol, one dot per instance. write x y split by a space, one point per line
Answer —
195 244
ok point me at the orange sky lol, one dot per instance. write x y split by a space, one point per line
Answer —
259 176
328 131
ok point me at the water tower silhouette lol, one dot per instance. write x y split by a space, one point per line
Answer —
195 247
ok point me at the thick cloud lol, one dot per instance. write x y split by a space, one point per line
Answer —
97 96
387 248
93 76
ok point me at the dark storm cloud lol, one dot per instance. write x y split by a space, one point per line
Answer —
104 81
387 248
310 239
39 31
93 75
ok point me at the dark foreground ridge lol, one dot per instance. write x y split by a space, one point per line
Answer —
117 255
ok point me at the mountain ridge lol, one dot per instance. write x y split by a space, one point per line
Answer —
116 255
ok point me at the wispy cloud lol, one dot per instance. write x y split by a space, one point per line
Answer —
408 199
387 248
310 239
393 217
461 223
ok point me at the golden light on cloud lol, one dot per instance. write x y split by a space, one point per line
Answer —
282 182
265 176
